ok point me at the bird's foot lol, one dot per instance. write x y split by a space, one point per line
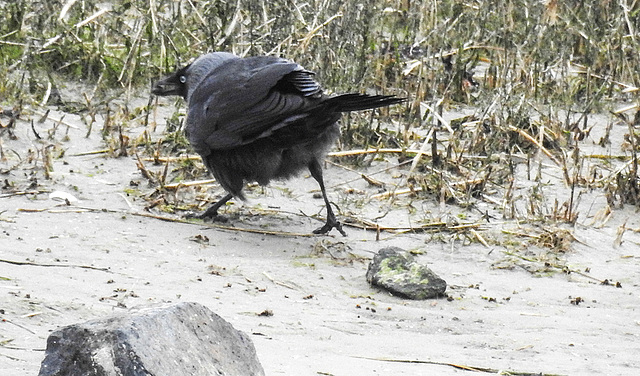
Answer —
209 214
331 224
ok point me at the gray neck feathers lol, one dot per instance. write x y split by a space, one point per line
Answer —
202 66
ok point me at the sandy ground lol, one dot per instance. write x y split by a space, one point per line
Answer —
326 319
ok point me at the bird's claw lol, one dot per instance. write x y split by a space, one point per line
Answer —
213 217
331 224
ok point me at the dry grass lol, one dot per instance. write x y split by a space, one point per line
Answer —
529 75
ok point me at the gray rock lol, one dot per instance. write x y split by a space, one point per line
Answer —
397 271
178 340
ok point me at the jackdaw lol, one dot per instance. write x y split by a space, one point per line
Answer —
260 118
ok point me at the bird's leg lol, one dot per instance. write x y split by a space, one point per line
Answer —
332 222
212 211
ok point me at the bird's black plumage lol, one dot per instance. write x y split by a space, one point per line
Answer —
260 118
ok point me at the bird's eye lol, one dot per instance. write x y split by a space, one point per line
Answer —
183 79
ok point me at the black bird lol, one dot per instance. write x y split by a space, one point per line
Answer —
260 118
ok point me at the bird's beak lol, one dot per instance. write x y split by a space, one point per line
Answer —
169 85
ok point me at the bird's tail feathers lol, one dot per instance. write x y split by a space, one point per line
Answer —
359 102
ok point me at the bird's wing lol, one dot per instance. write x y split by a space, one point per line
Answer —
247 99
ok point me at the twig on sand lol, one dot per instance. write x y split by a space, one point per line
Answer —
479 237
160 159
18 325
92 152
22 193
192 183
279 283
460 366
55 265
399 192
11 357
348 153
59 120
564 269
353 222
81 209
221 227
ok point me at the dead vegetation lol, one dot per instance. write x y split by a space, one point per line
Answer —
500 127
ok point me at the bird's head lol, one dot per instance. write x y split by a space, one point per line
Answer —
173 84
184 81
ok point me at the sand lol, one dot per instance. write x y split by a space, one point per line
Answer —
304 300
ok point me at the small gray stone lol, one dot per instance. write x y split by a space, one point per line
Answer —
397 271
179 340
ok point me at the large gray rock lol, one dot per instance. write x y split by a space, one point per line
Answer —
397 271
179 339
